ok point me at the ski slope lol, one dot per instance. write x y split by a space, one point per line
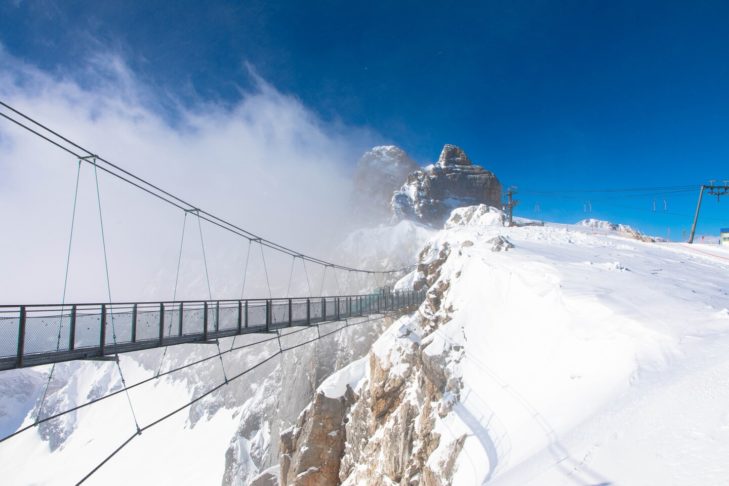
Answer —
590 357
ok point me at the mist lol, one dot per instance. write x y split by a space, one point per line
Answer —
265 163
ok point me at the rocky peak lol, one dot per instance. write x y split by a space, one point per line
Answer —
379 173
430 194
452 155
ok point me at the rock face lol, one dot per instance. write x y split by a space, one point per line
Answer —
311 451
383 428
430 194
380 172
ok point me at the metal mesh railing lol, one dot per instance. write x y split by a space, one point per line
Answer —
41 334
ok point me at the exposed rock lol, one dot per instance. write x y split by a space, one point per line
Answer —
430 194
312 449
269 477
380 172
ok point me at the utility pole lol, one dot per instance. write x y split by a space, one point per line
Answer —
714 190
511 202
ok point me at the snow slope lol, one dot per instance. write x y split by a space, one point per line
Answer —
590 357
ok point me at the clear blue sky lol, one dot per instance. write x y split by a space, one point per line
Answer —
548 94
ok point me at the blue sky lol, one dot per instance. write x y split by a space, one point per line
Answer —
550 95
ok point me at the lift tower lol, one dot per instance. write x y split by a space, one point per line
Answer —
717 190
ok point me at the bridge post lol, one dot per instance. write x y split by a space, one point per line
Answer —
205 320
308 311
217 316
246 316
161 322
72 331
240 316
134 323
182 313
323 309
102 330
349 306
21 335
268 315
290 316
336 303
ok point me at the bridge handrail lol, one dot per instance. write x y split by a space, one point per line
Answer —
31 335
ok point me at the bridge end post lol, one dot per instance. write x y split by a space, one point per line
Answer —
161 323
205 321
134 323
72 331
268 315
240 316
21 336
102 331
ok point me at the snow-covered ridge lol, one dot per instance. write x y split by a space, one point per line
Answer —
584 354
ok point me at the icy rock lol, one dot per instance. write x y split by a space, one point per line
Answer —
480 215
500 243
430 194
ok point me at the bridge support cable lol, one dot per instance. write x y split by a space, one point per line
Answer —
217 387
108 290
306 272
291 276
210 294
265 270
175 370
174 291
67 145
63 298
243 286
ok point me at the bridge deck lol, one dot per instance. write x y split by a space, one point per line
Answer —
33 335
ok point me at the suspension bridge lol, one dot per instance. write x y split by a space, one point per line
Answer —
49 334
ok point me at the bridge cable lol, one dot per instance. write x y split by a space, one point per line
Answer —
139 383
243 287
65 286
210 294
214 389
108 289
291 275
265 270
156 191
174 291
306 272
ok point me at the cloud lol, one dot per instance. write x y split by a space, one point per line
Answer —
265 162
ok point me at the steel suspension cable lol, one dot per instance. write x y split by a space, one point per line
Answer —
210 293
174 291
108 290
155 190
218 387
63 298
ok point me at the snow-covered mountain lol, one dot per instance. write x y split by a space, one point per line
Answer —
546 355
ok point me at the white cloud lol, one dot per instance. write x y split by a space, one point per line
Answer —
266 163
